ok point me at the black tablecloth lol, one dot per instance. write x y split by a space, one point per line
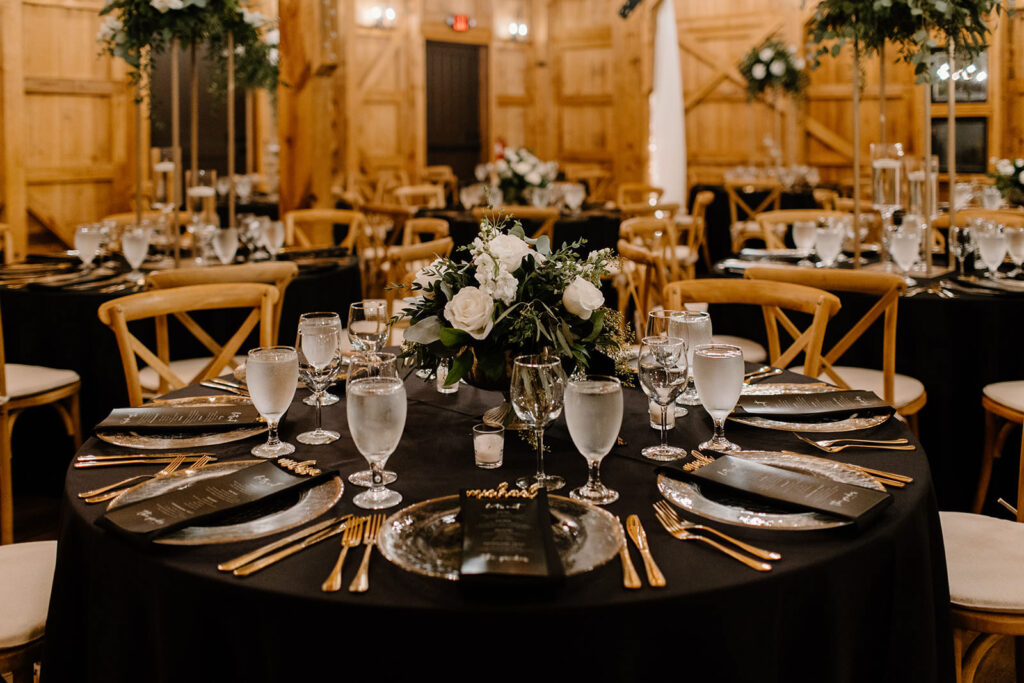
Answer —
599 227
838 607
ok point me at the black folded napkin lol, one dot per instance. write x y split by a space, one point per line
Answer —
211 499
830 404
507 539
178 418
789 490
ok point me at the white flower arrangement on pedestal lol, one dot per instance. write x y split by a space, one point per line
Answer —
519 169
1009 177
772 65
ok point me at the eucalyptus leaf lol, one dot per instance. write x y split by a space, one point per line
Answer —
451 337
426 331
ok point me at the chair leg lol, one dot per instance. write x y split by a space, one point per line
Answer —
912 423
6 490
76 420
24 674
987 456
976 653
1018 655
958 653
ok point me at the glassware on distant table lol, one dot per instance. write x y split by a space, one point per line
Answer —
804 236
1015 247
363 367
368 325
693 327
992 247
828 243
916 188
273 237
165 178
718 373
662 368
319 349
376 408
88 241
225 245
593 414
202 196
537 391
991 197
886 172
271 373
135 247
960 245
243 187
963 193
488 445
905 249
574 194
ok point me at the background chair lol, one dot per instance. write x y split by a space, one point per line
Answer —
424 230
424 196
444 176
179 302
542 219
8 243
26 573
700 224
597 179
741 193
774 298
404 262
642 280
1003 403
315 227
825 198
387 220
638 193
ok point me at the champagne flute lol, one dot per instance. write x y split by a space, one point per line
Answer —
135 247
718 373
225 245
368 326
960 246
88 239
662 369
376 408
271 373
319 349
537 391
593 414
693 327
362 367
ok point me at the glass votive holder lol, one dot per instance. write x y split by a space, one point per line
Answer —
670 417
488 445
442 372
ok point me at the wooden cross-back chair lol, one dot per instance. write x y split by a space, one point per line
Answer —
597 179
825 198
638 193
387 220
769 222
904 393
424 195
661 236
543 217
964 217
665 209
405 261
179 302
740 191
8 242
444 176
315 227
700 223
642 280
424 230
774 298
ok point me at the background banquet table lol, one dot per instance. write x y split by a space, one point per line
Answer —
600 227
839 607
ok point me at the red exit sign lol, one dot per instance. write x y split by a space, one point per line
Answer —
460 22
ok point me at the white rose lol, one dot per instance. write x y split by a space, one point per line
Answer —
1019 163
758 71
471 310
521 167
253 18
1004 167
766 53
534 178
581 298
428 276
272 37
1020 178
273 56
111 27
163 5
777 67
800 64
509 250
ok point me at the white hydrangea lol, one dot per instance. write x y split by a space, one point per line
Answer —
163 6
499 283
272 56
272 37
252 18
777 67
1020 178
1004 167
759 71
110 27
766 54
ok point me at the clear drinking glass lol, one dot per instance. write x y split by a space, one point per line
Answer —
693 327
662 368
886 169
271 373
992 247
905 249
202 196
658 322
376 408
225 245
991 197
368 325
363 367
593 414
805 234
88 240
537 392
135 247
273 237
828 243
319 349
1015 245
165 178
718 373
488 446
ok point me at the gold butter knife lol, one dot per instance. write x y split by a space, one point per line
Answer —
639 536
234 564
253 567
630 579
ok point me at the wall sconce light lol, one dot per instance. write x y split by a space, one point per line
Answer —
380 16
517 30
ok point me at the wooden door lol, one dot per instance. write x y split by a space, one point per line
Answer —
454 83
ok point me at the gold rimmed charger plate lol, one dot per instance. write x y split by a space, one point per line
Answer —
185 439
426 538
311 503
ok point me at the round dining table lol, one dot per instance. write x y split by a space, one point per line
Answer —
841 605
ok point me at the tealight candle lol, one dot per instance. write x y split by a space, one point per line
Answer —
442 373
670 420
488 445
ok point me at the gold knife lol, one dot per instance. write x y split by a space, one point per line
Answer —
630 579
132 456
132 461
256 566
234 564
639 536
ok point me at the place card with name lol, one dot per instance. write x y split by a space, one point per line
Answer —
826 404
507 538
212 498
181 418
793 490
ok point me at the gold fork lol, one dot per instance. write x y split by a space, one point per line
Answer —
667 510
837 449
682 534
361 583
350 539
114 490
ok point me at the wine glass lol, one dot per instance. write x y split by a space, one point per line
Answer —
376 408
537 391
225 245
367 325
1015 245
271 372
828 242
659 321
88 239
905 249
960 245
319 349
135 247
718 373
693 327
362 367
805 234
662 369
593 414
992 245
273 237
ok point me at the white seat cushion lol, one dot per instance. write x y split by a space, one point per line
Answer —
25 380
752 351
905 389
984 558
185 369
1009 394
26 573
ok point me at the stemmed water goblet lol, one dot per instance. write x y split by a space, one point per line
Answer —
88 239
718 374
537 392
368 326
271 373
992 247
376 409
662 369
828 243
804 236
1015 246
960 246
593 414
273 238
693 327
319 349
363 367
905 249
135 247
225 245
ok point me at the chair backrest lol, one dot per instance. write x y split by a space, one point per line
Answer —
425 195
424 230
638 193
443 175
386 179
8 242
774 298
739 190
642 209
596 178
825 198
276 273
1009 218
387 220
700 224
887 287
179 302
646 275
767 220
315 227
407 260
544 217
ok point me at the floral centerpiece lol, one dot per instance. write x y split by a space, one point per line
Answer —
520 169
513 296
1009 177
773 65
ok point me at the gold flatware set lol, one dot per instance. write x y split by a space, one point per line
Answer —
111 491
89 461
877 444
